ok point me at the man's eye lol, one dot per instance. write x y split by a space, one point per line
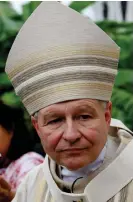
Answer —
84 117
54 121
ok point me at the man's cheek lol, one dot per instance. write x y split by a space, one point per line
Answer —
51 142
91 134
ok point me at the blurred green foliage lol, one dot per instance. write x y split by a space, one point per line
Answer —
80 5
121 33
122 97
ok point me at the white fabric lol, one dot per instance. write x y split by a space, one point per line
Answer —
116 176
118 124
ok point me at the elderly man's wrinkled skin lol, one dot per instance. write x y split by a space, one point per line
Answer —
73 133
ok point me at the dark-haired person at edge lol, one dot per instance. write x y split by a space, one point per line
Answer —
16 158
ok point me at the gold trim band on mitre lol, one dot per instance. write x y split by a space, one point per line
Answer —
60 52
61 63
67 91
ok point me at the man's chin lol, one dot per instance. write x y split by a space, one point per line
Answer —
74 162
74 165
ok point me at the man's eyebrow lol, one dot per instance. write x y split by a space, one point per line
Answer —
47 115
85 107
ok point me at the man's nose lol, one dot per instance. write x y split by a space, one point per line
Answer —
71 133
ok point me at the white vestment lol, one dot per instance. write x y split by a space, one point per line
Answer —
113 183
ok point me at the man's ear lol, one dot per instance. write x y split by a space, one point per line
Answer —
35 124
108 114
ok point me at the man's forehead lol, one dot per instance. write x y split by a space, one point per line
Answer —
74 103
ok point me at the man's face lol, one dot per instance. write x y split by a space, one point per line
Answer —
73 133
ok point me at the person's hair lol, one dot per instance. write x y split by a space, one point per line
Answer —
103 103
36 115
12 120
6 117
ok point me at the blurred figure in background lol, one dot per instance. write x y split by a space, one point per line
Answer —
15 149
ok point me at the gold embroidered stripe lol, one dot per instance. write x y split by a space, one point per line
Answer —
61 52
67 91
82 61
53 79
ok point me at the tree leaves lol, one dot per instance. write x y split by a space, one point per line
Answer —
122 97
80 5
10 98
4 81
124 78
122 101
29 8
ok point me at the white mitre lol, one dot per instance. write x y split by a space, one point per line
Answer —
59 55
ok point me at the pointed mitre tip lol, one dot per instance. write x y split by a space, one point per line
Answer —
55 26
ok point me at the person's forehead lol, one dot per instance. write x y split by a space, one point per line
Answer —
73 103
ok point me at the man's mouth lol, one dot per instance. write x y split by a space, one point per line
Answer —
73 149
